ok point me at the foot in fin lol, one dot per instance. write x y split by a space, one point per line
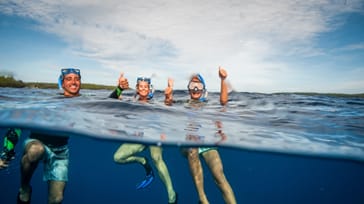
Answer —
149 177
148 180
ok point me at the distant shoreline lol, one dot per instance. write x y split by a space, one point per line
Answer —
9 81
41 85
359 95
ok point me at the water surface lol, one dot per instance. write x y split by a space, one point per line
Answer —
279 148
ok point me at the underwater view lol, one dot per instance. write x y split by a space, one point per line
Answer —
188 102
276 148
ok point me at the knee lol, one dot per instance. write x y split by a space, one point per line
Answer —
34 151
119 157
219 177
116 157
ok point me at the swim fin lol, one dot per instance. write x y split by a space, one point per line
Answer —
146 182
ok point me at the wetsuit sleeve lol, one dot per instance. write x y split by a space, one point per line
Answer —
116 93
11 138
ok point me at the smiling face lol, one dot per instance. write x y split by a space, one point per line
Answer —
195 88
71 84
143 90
195 94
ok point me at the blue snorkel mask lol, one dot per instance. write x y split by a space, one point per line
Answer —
66 71
151 93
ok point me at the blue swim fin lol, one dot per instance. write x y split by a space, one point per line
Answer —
146 182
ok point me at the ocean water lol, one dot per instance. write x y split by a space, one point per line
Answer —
279 148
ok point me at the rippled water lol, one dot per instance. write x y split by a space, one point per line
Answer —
321 138
289 123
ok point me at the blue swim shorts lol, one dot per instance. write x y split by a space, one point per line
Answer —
202 150
55 162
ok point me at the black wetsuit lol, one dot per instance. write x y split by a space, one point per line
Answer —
50 140
116 93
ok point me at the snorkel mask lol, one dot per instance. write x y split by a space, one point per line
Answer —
146 79
199 85
66 71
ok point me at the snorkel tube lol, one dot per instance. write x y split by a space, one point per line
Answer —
204 97
151 93
60 79
200 78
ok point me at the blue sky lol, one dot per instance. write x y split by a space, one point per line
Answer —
279 46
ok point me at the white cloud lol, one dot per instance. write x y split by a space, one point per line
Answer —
177 38
353 47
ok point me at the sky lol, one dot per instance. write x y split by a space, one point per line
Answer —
265 46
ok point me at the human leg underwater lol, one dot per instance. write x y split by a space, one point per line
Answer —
156 154
56 191
125 154
197 173
56 163
33 153
214 163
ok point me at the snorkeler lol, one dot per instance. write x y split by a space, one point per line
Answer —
126 152
198 93
52 150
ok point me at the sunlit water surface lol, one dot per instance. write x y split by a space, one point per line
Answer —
262 133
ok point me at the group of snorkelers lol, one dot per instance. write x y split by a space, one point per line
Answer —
54 152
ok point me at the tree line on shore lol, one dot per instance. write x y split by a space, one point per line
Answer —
10 81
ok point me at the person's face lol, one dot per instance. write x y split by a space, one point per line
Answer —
195 89
143 89
71 84
195 94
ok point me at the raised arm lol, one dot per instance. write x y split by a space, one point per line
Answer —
168 92
122 85
224 87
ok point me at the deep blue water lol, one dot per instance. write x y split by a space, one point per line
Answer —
281 148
